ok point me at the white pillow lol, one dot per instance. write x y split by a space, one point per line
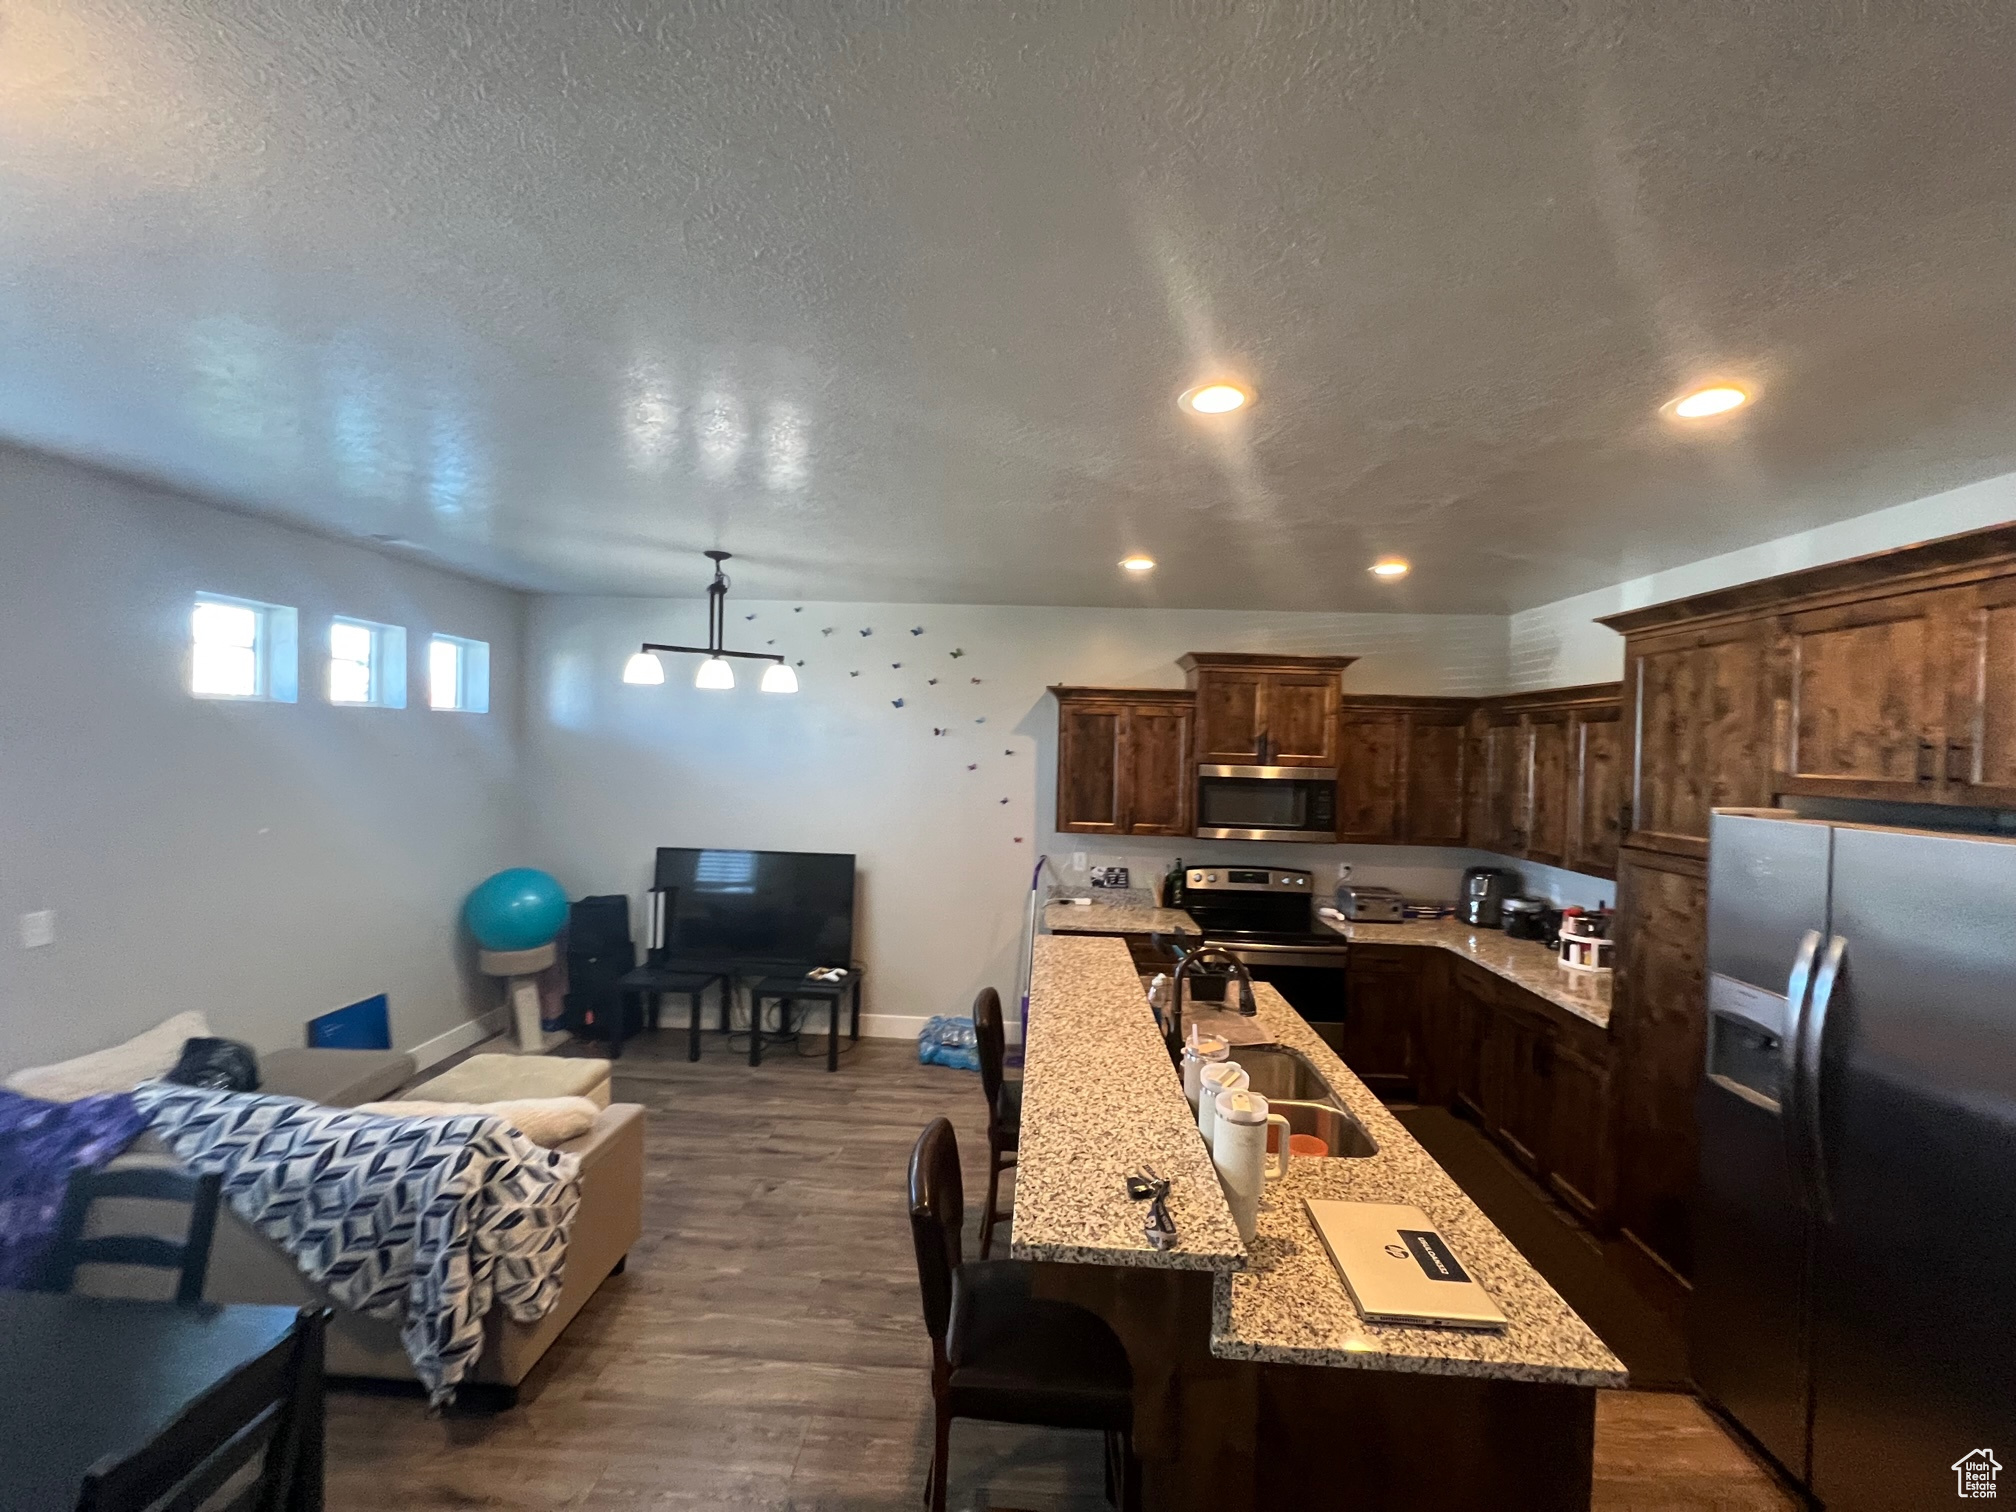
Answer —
119 1069
546 1121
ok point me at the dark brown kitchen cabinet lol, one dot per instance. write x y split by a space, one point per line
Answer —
1473 996
1497 797
1544 777
1578 1136
1547 796
1980 754
1383 1018
1659 1019
1401 766
1866 698
1123 761
1596 782
1371 776
1265 710
1700 705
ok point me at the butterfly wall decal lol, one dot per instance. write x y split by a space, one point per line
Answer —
895 703
957 652
869 631
916 629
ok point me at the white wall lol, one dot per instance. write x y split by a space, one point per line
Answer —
614 771
262 862
1559 645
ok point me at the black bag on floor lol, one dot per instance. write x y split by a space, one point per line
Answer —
220 1063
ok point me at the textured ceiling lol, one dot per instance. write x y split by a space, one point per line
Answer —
893 301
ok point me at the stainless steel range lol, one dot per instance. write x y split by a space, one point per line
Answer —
1266 916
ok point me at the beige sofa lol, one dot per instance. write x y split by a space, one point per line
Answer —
245 1266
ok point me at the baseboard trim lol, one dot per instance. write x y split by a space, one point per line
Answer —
474 1031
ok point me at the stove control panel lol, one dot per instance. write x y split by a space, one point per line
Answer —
1249 879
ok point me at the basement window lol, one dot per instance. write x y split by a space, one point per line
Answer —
242 649
367 664
458 674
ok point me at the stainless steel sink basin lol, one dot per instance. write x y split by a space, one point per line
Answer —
1294 1089
1336 1128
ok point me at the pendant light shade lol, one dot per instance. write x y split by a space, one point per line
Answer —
644 668
715 672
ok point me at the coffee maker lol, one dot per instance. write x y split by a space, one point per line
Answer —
1482 901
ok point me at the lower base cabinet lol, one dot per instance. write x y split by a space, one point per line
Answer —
1384 1023
1534 1077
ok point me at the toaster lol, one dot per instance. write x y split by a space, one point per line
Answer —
1370 905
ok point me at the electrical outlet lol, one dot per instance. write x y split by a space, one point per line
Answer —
38 928
1077 860
1343 871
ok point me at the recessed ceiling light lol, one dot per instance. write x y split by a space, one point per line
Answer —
1716 400
1215 399
1389 567
1138 563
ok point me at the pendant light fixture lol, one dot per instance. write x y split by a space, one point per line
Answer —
645 668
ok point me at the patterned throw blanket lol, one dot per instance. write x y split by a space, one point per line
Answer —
41 1144
433 1220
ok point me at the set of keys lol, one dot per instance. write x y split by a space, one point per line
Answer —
1146 1186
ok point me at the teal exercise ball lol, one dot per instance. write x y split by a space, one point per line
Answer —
519 909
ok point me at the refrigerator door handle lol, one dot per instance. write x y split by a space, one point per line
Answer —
1812 1039
1796 993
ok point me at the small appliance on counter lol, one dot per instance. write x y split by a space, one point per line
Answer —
1525 918
1585 940
1482 901
1370 905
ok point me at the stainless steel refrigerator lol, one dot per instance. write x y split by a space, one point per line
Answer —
1854 1298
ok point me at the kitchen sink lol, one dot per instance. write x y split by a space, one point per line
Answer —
1336 1128
1296 1090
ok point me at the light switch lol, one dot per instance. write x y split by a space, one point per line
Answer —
38 928
1077 860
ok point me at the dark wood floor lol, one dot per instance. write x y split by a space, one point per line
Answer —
764 1348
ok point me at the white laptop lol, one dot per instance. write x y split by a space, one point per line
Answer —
1398 1269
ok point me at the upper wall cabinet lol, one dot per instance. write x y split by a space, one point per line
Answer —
1265 710
1401 770
1699 705
1544 781
1123 761
1886 677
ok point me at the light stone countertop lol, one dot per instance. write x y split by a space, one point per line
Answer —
1100 1098
1290 1306
1524 963
1127 914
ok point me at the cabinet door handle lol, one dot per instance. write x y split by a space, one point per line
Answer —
1624 817
1925 761
1959 761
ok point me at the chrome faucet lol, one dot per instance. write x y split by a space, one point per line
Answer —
1190 965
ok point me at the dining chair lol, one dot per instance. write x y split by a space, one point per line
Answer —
189 1257
1004 1108
270 1410
999 1353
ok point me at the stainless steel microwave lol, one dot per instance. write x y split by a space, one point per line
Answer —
1267 803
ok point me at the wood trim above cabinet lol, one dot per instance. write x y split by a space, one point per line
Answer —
1950 561
1253 661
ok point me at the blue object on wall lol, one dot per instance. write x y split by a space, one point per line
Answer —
519 909
361 1026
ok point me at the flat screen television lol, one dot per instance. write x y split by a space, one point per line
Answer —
793 908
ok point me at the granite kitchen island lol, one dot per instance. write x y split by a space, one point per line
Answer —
1257 1381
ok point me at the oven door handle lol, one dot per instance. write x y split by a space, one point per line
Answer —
1320 957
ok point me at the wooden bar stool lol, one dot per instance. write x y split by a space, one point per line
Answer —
1004 1107
997 1352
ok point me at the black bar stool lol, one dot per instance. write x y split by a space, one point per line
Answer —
1004 1107
1000 1354
790 989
